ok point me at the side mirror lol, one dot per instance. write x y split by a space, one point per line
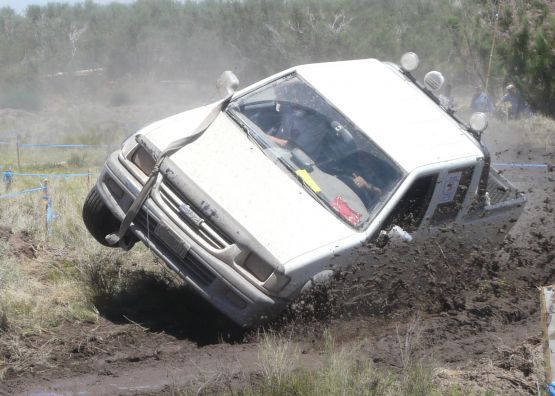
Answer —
227 84
396 234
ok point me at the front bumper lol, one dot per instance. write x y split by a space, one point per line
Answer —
217 281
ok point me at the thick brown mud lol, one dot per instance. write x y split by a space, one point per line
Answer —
472 311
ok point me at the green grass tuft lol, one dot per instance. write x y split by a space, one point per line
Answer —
342 371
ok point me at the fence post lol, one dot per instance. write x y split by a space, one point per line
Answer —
46 200
17 149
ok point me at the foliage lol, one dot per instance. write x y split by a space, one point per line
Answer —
528 39
172 40
20 97
505 42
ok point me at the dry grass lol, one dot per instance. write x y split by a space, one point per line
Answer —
539 131
277 356
536 132
409 341
342 370
39 293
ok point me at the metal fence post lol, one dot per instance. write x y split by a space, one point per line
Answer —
46 200
17 149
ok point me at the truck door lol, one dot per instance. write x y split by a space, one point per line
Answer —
449 196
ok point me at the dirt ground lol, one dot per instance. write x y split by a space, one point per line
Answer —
473 312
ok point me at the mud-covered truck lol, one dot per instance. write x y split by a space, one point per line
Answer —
253 199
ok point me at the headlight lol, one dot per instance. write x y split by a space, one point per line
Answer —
276 282
258 267
139 150
143 160
264 272
128 144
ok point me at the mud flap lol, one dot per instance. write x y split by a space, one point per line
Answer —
547 298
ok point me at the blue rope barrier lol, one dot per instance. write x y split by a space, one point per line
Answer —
47 199
54 174
61 145
517 165
55 145
18 193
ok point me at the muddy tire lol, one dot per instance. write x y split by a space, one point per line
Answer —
98 219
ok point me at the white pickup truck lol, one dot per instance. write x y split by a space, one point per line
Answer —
254 198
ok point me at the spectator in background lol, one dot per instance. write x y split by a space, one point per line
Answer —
513 104
481 101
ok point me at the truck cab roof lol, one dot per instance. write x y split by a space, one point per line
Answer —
389 107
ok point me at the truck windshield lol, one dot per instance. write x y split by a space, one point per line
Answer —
334 160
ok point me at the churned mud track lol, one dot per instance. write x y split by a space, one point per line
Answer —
179 342
473 312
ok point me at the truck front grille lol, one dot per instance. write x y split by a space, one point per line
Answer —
499 191
191 218
188 262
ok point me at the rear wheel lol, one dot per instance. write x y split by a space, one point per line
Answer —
98 219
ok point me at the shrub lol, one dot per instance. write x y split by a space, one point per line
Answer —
3 319
21 98
120 98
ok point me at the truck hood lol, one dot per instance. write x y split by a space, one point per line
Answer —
258 195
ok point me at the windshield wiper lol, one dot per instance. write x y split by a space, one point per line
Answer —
318 196
253 132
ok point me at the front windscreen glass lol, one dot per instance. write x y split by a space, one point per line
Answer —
336 162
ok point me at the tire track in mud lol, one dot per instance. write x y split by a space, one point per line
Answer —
172 366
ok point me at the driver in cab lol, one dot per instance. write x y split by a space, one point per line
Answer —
300 124
304 127
300 128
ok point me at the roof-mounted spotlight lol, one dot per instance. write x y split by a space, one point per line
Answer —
478 122
409 62
434 81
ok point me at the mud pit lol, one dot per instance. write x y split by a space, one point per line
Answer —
473 312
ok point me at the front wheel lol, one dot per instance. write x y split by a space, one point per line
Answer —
98 219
